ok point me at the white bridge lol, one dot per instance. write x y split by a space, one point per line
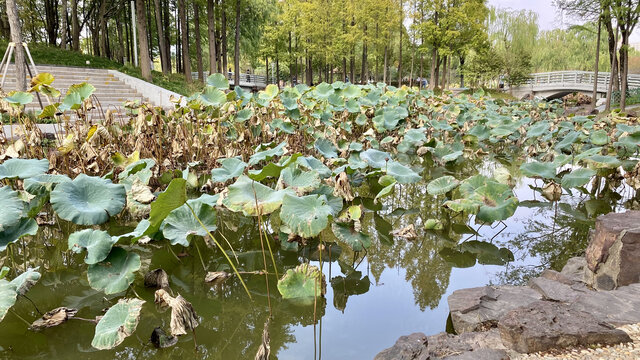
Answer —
554 85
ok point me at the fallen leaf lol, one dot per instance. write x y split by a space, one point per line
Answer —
183 317
407 233
265 348
53 318
217 276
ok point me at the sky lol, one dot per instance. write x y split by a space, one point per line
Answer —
548 15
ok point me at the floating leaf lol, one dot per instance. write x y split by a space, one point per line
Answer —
53 318
355 239
306 216
23 168
497 202
88 200
577 178
98 244
117 323
181 224
115 273
303 282
442 185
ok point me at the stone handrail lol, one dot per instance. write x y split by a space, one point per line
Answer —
571 78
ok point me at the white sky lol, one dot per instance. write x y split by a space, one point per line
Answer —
548 16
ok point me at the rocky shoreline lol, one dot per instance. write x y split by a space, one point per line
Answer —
581 306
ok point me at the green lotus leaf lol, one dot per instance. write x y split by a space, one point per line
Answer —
263 153
324 90
463 205
23 168
415 137
11 207
180 225
498 202
88 200
244 115
326 148
218 81
568 140
599 137
487 253
357 240
117 323
270 92
375 158
577 178
351 91
253 198
402 173
84 90
19 98
539 170
231 169
433 224
300 181
311 163
172 198
44 183
140 169
603 161
98 244
306 216
9 290
442 185
11 234
389 183
304 282
115 273
212 96
538 129
273 169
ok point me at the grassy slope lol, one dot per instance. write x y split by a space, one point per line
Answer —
43 54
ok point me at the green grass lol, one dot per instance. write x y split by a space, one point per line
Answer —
50 55
496 94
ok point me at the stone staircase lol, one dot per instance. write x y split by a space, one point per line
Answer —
110 94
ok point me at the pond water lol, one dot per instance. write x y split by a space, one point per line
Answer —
398 287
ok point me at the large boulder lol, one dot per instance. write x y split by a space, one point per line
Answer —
617 307
479 309
411 347
614 250
546 325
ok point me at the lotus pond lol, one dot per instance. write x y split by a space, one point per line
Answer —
305 223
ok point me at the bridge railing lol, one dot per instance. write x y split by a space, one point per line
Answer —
248 80
568 78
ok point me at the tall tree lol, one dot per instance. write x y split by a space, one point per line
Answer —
186 61
141 25
164 56
196 20
211 30
64 25
16 38
75 26
236 57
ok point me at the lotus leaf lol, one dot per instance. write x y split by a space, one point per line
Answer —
300 181
487 253
115 273
442 185
171 199
181 222
23 168
306 216
19 98
9 290
88 200
357 240
539 170
311 163
11 207
117 323
98 244
402 173
43 183
577 178
231 168
263 153
599 137
375 158
497 202
212 96
326 148
603 161
11 234
303 282
253 198
218 81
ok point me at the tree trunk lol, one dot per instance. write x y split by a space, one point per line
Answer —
16 38
444 72
121 44
386 64
141 25
363 74
75 26
63 34
421 72
179 67
436 80
51 20
236 55
167 33
433 81
614 72
344 69
624 69
161 40
225 55
184 39
277 69
196 20
102 28
595 71
462 60
400 45
211 29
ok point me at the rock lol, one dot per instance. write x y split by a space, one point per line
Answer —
556 276
617 307
484 354
613 251
479 309
412 347
545 325
468 345
574 269
557 291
